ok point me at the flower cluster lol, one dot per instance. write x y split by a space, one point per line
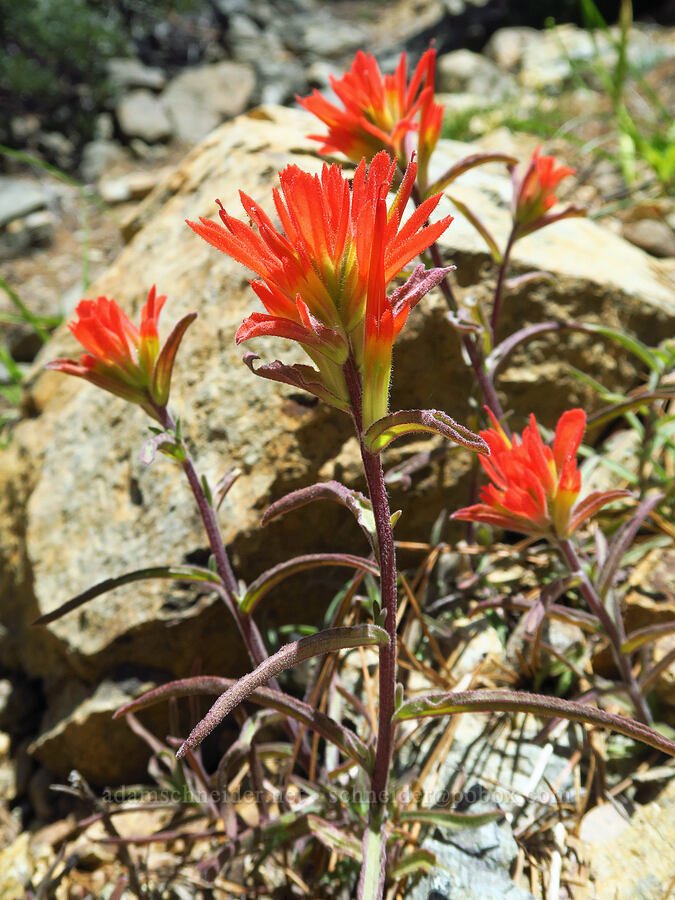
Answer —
380 111
533 194
534 488
323 278
122 358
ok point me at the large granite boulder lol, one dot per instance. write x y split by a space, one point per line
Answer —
77 505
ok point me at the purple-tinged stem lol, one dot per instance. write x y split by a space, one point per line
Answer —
611 630
499 290
372 466
248 629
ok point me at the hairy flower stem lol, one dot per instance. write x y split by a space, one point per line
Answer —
372 466
499 290
248 629
612 631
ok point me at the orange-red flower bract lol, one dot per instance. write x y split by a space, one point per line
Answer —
122 358
323 278
533 192
379 111
534 488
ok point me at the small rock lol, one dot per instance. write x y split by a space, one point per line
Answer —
505 47
98 157
142 115
602 823
19 197
652 235
638 863
473 864
24 127
198 100
329 38
131 73
16 868
465 72
58 148
125 188
36 230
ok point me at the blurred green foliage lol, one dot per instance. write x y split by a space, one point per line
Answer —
54 54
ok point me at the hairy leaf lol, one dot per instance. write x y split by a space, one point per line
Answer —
344 739
269 579
430 421
538 704
327 641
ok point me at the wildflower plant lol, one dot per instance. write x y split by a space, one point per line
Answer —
325 275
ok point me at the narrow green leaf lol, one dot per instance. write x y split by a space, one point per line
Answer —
176 573
335 838
646 635
419 860
480 227
451 821
632 344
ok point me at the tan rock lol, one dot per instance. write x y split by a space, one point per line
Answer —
637 864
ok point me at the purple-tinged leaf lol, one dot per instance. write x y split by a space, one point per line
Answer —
503 350
430 421
449 820
344 739
549 594
464 326
150 447
622 541
284 829
416 287
549 218
400 474
649 677
334 838
355 501
579 617
327 641
180 573
512 284
161 379
588 507
463 165
224 484
480 227
536 704
646 635
299 376
269 579
373 867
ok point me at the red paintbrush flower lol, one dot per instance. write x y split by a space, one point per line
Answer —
533 194
339 249
379 111
122 358
535 487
